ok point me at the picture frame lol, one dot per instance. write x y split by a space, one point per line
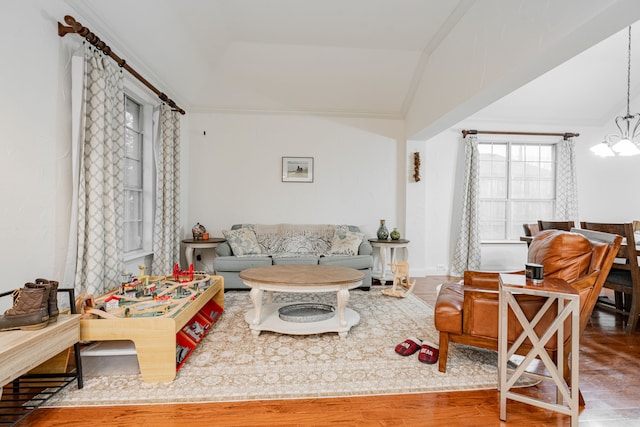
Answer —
297 169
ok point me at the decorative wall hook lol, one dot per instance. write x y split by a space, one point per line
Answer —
416 166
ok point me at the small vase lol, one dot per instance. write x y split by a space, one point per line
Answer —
383 233
395 234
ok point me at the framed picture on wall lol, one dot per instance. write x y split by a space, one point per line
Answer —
297 169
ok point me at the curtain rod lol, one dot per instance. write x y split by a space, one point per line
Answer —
565 135
76 27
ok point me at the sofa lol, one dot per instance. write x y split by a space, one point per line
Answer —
258 245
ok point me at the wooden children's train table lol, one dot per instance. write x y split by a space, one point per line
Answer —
160 323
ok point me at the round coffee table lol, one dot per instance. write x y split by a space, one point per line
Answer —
297 278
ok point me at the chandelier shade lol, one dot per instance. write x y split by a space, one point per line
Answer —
625 142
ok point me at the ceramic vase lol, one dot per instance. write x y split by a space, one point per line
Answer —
383 233
395 234
198 230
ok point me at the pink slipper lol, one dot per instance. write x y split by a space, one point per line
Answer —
428 353
408 346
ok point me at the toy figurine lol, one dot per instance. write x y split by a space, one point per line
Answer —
400 272
180 275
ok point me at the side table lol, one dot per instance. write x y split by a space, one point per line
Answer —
560 294
392 246
190 246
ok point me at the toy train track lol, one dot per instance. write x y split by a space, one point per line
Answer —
171 295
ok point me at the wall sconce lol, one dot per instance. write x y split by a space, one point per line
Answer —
416 166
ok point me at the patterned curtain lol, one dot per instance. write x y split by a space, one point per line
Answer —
99 259
166 226
466 255
566 182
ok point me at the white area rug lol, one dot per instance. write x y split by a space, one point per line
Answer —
230 364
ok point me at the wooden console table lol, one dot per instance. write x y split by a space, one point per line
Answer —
567 300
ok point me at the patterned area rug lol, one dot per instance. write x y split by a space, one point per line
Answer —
230 364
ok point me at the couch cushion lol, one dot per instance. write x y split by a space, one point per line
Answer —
233 263
312 239
358 262
298 245
306 259
345 242
223 249
243 241
365 248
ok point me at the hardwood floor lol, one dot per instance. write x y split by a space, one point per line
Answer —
609 380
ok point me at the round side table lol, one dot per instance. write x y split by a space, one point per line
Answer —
190 246
392 246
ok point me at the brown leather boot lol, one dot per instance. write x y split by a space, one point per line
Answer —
30 310
53 297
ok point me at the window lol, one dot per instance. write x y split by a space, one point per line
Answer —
139 186
138 178
517 186
133 182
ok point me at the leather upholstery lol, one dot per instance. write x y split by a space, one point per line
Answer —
448 315
468 313
564 255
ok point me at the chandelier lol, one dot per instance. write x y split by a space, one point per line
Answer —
623 143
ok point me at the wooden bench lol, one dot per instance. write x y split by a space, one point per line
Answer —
40 357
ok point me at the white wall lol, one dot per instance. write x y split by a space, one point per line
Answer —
35 123
235 171
606 187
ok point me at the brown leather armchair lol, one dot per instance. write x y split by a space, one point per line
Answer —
468 313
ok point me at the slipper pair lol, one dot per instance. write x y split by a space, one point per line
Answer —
428 352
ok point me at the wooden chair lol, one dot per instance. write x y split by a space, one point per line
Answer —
556 225
624 277
530 229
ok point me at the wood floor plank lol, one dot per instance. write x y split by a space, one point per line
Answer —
609 380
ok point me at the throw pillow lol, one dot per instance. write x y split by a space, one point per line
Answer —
346 242
242 241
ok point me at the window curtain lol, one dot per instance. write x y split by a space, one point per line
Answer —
466 255
166 227
99 168
566 182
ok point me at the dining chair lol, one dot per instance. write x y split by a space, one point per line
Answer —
624 277
556 225
530 229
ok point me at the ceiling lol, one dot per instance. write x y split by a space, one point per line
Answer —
588 89
355 57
